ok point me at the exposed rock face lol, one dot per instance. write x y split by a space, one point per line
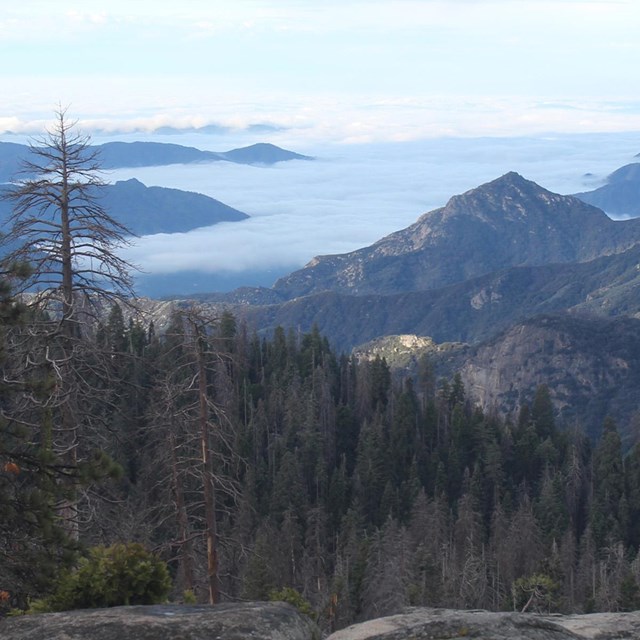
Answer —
590 364
438 624
504 223
258 621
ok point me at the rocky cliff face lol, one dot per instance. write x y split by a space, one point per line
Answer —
259 621
591 366
429 624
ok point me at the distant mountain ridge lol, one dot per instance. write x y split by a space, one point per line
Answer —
151 154
507 222
148 210
469 311
621 195
115 155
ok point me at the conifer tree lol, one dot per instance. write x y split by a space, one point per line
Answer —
60 229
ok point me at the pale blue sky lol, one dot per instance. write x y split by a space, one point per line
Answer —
332 70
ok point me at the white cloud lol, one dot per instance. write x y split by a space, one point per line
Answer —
354 195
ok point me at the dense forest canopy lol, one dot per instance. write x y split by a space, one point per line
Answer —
363 493
261 465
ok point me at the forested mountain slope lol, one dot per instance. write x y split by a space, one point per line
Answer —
470 311
507 222
364 494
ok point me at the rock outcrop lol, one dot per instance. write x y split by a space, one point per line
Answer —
258 621
441 624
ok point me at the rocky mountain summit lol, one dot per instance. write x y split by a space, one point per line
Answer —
508 222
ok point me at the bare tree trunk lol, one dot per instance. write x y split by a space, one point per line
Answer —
186 562
207 472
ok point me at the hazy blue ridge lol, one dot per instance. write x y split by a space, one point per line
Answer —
148 210
113 155
621 195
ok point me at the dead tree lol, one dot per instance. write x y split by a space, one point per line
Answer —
71 243
194 447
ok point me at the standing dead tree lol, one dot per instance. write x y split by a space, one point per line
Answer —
71 243
192 444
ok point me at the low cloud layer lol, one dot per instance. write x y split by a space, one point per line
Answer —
352 195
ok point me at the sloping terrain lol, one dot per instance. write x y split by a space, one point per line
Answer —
114 155
147 210
591 366
621 195
504 223
469 311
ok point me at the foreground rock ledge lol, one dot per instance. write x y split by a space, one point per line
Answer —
442 624
228 621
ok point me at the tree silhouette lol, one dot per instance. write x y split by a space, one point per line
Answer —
60 229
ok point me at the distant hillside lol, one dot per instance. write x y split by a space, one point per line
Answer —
591 365
468 311
507 222
151 154
261 153
621 195
147 210
11 156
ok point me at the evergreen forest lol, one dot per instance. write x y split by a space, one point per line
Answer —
363 493
270 466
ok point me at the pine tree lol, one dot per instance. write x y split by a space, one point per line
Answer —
59 227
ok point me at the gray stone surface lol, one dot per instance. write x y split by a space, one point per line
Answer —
255 621
442 624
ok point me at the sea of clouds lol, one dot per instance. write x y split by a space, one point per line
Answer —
348 197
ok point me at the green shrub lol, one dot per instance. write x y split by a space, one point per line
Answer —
293 597
123 574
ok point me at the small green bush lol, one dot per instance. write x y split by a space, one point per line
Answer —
123 574
292 596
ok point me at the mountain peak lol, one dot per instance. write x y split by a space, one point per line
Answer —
514 198
513 184
510 221
512 178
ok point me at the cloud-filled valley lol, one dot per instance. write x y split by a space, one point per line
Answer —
348 197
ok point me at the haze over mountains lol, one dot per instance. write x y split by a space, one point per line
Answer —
150 210
152 154
620 195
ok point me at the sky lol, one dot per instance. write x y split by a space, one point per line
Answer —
342 70
403 103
